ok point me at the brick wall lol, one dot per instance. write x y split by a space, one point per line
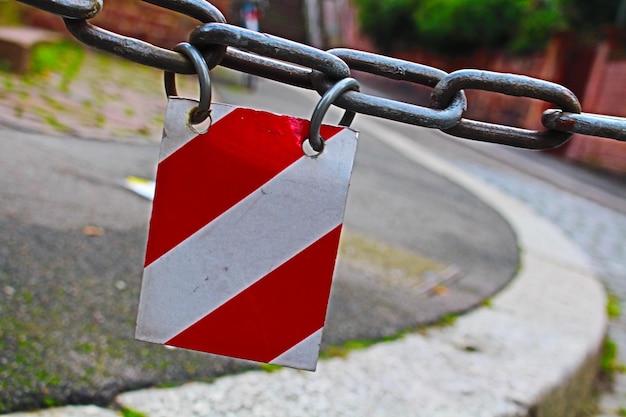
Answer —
605 94
137 19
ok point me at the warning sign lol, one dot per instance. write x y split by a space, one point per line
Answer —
243 236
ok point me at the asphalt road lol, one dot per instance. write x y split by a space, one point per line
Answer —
72 245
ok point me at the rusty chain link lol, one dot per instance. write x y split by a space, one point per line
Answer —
586 124
303 66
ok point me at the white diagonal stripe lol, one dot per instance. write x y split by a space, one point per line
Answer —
176 131
303 355
277 221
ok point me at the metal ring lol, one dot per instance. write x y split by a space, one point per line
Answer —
512 85
202 112
315 140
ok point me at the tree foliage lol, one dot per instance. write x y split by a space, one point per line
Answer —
457 26
390 22
588 16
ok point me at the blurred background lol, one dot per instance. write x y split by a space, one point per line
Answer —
576 43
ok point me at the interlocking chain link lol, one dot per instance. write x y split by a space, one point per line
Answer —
307 67
445 117
509 84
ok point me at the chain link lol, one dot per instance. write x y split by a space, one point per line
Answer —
303 66
448 116
272 48
509 84
585 124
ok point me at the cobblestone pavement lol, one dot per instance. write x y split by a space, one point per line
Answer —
597 230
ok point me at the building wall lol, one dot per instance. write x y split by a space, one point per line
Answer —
605 94
138 19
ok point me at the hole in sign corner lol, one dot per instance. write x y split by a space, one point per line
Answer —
309 151
199 128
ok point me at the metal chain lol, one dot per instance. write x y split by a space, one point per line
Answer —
303 66
509 84
446 117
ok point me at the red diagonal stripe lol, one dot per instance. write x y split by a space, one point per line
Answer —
275 313
216 170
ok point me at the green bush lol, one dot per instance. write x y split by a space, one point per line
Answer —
461 26
64 58
589 17
389 23
537 26
454 26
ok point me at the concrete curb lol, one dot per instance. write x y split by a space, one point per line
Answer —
549 262
531 352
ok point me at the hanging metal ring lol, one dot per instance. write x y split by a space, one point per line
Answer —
329 97
202 112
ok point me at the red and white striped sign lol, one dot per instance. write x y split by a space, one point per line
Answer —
244 235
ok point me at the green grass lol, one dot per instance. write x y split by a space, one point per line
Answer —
448 320
613 306
65 58
54 123
129 412
269 368
51 402
343 350
609 362
100 120
487 303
